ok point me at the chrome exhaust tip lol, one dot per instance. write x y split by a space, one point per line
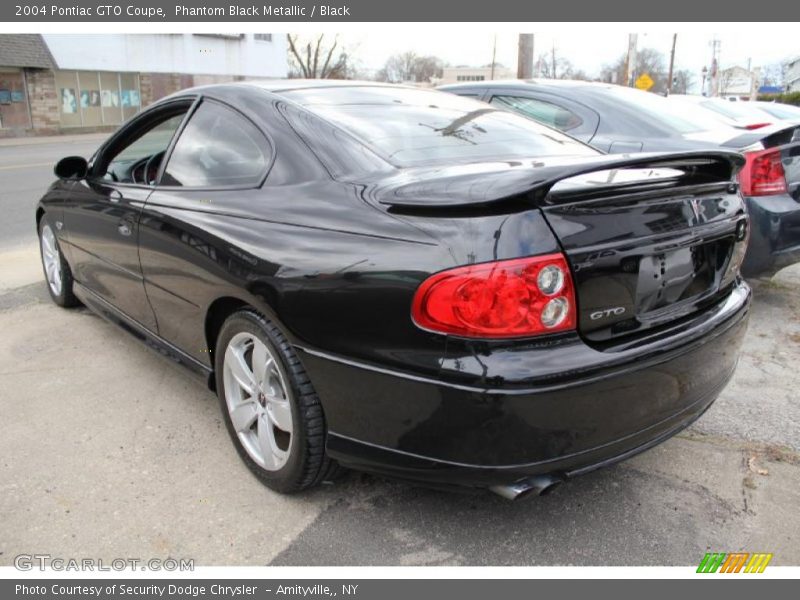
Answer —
538 485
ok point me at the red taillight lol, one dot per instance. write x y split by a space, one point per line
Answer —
763 173
756 125
509 298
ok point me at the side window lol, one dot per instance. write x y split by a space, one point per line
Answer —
136 159
539 110
218 147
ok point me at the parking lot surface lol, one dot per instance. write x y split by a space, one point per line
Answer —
108 450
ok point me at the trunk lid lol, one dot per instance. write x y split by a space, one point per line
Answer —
643 259
650 239
768 137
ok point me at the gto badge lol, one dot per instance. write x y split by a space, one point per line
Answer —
608 312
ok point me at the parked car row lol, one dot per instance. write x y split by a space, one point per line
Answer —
617 119
746 115
423 285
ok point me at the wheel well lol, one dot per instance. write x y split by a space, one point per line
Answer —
220 309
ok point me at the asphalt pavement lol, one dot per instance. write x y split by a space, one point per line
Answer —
26 170
107 450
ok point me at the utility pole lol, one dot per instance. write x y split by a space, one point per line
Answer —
755 78
554 61
630 61
714 85
525 56
494 55
671 63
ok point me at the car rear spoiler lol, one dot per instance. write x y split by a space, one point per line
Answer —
769 137
486 184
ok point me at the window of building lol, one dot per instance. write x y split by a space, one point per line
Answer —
539 110
218 147
262 37
13 99
91 98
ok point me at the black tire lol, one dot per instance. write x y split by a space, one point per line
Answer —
66 297
308 464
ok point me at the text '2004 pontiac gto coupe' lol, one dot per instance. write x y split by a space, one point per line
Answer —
408 282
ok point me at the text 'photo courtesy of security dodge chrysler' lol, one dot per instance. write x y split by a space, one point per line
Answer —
409 282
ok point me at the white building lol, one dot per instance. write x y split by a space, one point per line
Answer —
50 83
232 55
463 74
735 81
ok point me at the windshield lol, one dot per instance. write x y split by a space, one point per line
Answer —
413 127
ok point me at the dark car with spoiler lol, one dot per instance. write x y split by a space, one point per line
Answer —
617 119
408 282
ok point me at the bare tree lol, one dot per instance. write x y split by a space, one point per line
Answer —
318 59
409 66
561 69
398 67
428 67
726 78
773 74
682 81
648 61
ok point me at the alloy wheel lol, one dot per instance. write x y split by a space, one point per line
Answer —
52 260
258 400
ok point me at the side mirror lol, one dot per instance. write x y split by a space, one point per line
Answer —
71 167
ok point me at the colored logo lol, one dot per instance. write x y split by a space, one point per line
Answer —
735 562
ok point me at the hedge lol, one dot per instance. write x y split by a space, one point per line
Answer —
787 98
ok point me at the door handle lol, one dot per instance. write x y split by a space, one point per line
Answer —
114 196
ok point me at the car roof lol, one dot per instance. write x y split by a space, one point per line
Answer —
555 83
689 98
316 92
289 85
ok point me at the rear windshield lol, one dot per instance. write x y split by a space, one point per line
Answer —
734 110
679 117
413 127
782 111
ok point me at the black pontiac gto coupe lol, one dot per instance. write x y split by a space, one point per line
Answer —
408 282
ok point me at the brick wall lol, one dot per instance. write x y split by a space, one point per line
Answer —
14 114
155 86
43 100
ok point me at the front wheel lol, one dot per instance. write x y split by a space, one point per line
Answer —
270 407
57 273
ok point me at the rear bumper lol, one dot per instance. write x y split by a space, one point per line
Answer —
562 409
774 234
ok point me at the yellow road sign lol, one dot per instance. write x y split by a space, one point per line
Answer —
644 82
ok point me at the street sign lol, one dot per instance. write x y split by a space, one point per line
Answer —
644 82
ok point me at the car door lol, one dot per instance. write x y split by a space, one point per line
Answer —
554 111
212 174
102 216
